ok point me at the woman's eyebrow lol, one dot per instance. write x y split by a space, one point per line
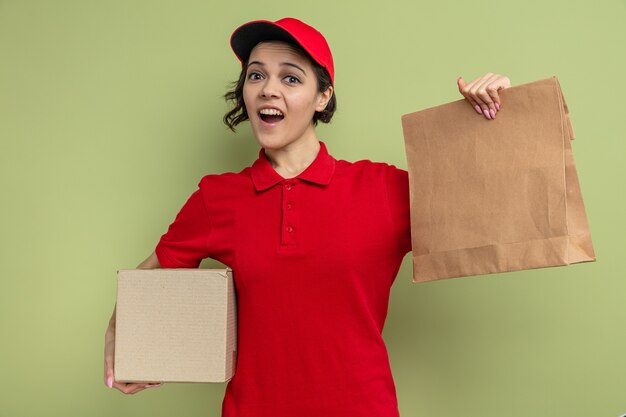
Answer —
293 65
282 63
256 62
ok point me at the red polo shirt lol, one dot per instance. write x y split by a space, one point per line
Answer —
313 258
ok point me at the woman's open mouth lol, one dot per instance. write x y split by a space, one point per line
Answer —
270 117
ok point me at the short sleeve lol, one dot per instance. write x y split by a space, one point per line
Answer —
399 206
184 245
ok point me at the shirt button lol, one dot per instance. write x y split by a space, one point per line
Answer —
288 206
289 229
288 187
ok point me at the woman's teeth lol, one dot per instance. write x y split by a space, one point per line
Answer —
271 112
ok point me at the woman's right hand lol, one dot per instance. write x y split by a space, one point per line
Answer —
109 355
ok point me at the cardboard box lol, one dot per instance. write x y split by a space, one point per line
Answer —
175 325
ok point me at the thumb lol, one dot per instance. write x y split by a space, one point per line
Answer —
108 373
461 82
110 380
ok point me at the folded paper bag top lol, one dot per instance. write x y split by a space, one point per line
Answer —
496 195
175 325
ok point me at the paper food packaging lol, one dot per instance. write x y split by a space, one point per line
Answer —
175 325
496 195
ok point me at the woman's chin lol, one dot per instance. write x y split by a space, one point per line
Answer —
278 140
270 141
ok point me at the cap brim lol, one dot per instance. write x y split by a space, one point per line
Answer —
245 37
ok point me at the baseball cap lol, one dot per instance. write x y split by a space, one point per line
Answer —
246 36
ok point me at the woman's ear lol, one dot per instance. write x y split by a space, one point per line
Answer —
324 98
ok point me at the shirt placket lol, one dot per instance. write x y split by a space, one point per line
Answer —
289 226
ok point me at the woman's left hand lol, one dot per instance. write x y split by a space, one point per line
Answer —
482 93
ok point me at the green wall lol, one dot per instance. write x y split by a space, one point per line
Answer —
110 113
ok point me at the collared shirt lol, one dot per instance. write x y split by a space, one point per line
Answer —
313 258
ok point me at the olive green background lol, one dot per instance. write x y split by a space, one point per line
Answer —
110 113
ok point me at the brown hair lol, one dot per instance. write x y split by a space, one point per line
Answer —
239 113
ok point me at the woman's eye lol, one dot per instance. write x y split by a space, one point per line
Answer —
254 76
291 79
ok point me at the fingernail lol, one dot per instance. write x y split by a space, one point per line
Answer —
110 382
153 385
478 110
486 113
497 106
493 113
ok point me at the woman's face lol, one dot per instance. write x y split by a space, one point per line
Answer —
280 94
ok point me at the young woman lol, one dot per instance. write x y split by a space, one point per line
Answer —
315 242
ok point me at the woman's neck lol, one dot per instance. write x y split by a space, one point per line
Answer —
294 158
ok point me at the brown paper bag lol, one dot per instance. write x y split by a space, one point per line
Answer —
495 195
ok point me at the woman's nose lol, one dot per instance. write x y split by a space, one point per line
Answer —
270 88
